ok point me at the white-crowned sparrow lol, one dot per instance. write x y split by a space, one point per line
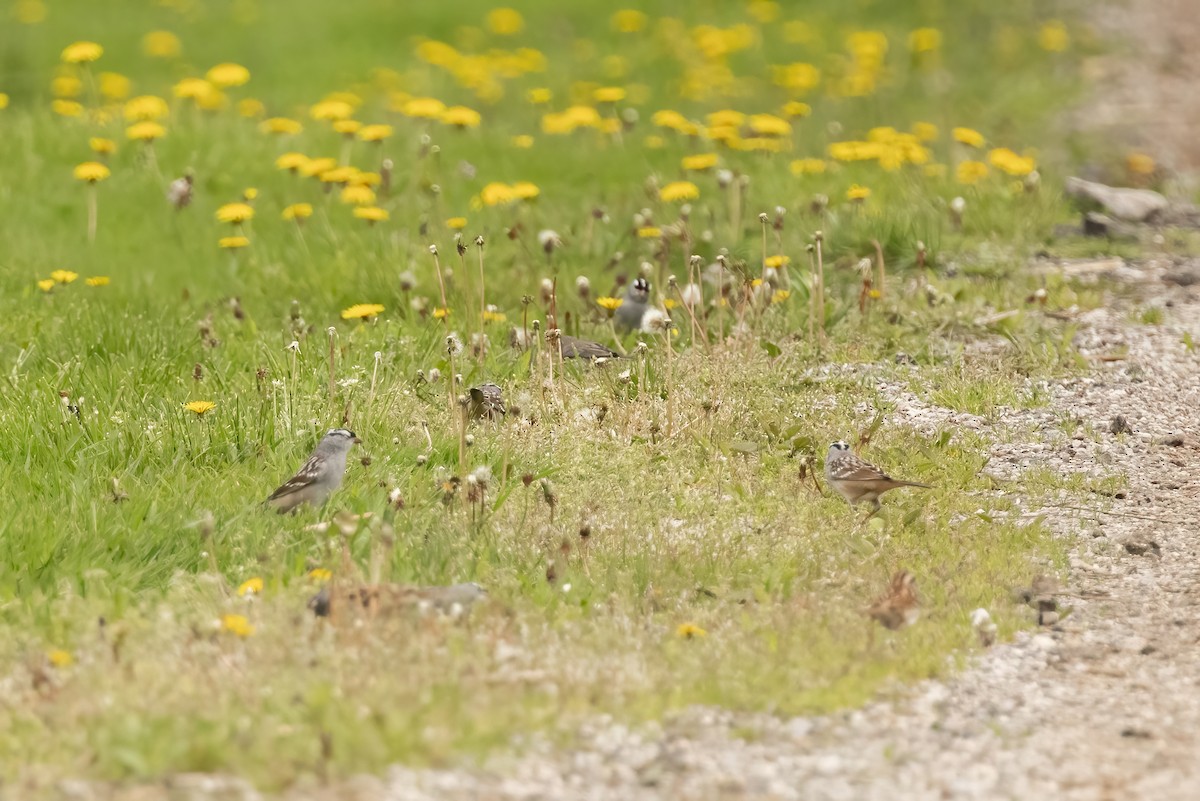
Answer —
856 480
637 300
487 401
320 475
576 348
898 607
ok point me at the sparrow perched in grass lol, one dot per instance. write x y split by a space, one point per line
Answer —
859 481
486 401
576 348
320 475
637 300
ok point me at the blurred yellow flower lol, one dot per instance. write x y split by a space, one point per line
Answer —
925 131
924 40
251 586
776 262
3 101
358 195
628 20
495 194
677 191
161 44
372 214
1053 37
320 574
689 631
233 242
193 89
228 75
505 21
280 125
375 133
429 108
1009 162
200 408
91 172
769 125
236 624
456 223
523 141
145 131
63 276
794 108
799 77
968 136
780 296
82 53
1140 164
98 280
291 161
235 213
67 86
362 311
490 315
46 284
699 162
649 232
331 110
654 142
807 166
114 86
441 313
461 117
146 107
251 108
539 96
102 146
858 193
298 211
971 172
609 305
525 190
318 166
67 108
60 658
608 94
347 127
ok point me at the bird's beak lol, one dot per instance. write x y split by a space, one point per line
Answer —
357 440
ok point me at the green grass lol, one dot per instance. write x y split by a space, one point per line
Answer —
128 522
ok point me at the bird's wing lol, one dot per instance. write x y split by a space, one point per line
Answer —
851 468
304 478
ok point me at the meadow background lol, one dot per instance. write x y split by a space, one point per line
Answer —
648 530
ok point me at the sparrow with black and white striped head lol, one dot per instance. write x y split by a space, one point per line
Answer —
633 308
857 480
320 475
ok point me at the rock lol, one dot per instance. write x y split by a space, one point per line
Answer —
1131 205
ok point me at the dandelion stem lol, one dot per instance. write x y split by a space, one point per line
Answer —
820 237
437 266
879 261
92 204
332 355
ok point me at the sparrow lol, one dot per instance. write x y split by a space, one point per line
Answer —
486 401
897 608
859 481
453 600
320 475
576 348
637 300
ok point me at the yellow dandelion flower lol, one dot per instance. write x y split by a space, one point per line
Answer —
114 86
199 408
145 107
233 242
67 86
280 125
362 311
298 211
98 280
1009 162
161 44
609 305
971 172
347 127
608 94
628 20
654 142
251 586
490 316
525 190
1140 164
320 574
331 110
495 194
925 131
292 161
251 108
807 166
1053 37
249 194
699 162
461 117
60 658
46 284
82 53
358 195
3 101
91 172
236 624
372 214
539 96
794 108
858 193
375 133
968 136
227 75
428 108
505 21
925 40
235 213
456 223
145 131
776 262
67 108
780 295
522 141
769 125
441 313
318 167
102 146
649 232
677 191
63 276
689 631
